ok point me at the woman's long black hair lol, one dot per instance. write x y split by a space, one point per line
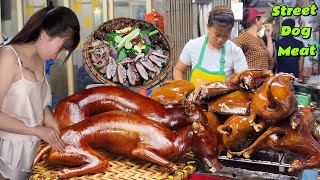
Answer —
56 22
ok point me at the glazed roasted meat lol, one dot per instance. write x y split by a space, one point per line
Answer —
274 100
211 90
250 79
214 122
130 135
254 110
236 133
315 131
173 92
93 101
237 102
282 137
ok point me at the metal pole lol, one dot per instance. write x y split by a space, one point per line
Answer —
19 14
70 76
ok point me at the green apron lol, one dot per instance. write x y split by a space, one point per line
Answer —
200 75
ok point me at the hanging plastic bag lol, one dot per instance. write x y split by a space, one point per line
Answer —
156 19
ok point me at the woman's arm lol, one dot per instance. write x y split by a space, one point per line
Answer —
13 125
179 70
49 120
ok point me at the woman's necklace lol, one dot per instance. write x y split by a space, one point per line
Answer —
26 68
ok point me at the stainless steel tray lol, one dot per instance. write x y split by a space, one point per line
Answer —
263 165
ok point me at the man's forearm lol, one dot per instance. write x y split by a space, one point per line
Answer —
301 66
270 46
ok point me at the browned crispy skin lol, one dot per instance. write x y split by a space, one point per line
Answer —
236 132
89 102
203 92
237 102
250 79
274 100
282 137
130 135
173 92
213 122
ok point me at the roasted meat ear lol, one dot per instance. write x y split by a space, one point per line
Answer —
173 92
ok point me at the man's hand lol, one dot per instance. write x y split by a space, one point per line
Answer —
268 30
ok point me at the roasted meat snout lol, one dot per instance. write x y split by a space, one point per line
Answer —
89 102
130 135
274 100
236 131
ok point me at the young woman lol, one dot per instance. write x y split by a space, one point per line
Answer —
213 57
24 90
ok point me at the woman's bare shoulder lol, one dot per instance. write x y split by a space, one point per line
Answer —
8 62
8 57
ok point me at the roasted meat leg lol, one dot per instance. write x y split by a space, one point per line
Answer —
281 137
93 101
212 89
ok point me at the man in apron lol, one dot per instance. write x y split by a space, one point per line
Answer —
213 57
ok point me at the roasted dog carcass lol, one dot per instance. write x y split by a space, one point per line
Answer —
130 135
282 137
89 102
